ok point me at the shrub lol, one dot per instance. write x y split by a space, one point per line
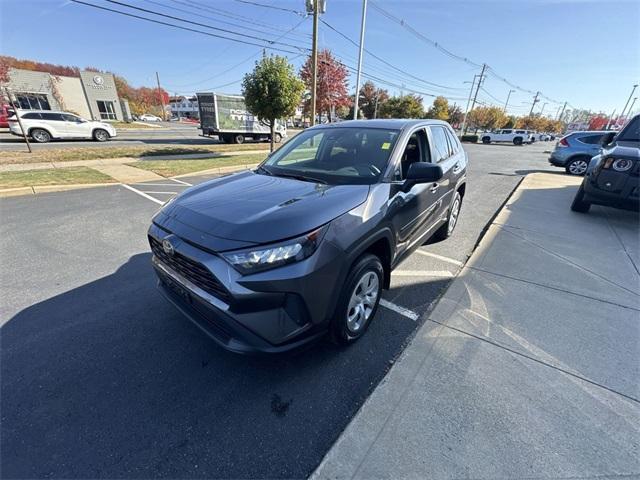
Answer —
469 138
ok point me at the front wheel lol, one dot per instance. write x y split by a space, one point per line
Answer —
100 135
40 136
517 141
446 230
359 300
486 140
579 205
277 138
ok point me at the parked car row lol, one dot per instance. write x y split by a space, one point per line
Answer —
515 136
45 125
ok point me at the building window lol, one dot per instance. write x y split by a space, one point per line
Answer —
107 112
33 101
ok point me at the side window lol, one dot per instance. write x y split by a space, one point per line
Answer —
416 150
52 116
31 116
630 133
440 144
590 139
453 142
69 118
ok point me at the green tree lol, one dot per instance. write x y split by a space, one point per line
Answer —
456 116
407 106
439 110
486 118
371 100
272 91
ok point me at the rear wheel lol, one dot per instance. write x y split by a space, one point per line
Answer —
579 204
238 138
100 135
277 138
486 140
359 300
40 136
446 230
517 141
577 166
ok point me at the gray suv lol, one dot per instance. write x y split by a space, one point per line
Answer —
270 259
574 151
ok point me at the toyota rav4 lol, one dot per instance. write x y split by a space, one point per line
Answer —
270 259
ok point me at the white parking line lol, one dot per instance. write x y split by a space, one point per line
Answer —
142 194
440 257
142 184
405 312
181 182
422 273
162 193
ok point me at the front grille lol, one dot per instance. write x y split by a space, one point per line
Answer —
193 271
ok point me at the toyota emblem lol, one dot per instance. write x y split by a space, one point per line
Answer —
167 247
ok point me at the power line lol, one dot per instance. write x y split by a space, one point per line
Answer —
272 7
232 32
159 22
394 67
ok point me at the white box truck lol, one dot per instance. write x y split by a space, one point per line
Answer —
226 117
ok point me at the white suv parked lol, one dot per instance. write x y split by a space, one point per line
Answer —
511 135
43 125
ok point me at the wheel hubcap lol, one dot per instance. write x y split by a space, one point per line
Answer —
578 167
40 136
100 135
453 218
363 301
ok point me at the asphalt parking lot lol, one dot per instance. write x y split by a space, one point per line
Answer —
101 377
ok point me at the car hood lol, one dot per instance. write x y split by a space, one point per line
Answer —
249 208
623 149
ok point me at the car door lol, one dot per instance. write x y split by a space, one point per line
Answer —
55 124
75 126
411 211
448 153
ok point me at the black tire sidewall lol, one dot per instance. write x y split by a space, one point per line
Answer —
40 130
340 333
239 139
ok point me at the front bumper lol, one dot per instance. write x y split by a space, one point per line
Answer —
268 312
611 188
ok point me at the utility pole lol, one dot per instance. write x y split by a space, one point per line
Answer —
160 95
314 62
466 110
535 100
17 114
562 112
475 97
632 104
504 110
375 108
628 100
364 17
542 109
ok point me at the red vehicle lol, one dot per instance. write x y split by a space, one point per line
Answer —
4 116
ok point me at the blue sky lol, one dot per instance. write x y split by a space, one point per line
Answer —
586 52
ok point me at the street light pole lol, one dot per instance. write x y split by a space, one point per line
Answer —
314 62
632 104
364 17
628 100
504 110
562 112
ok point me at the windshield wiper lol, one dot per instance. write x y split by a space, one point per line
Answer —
304 178
262 169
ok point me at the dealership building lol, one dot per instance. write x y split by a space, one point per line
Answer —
93 95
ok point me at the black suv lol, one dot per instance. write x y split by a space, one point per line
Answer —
270 259
612 177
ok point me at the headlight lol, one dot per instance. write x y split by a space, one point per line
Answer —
622 164
276 255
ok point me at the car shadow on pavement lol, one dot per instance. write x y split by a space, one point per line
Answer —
109 380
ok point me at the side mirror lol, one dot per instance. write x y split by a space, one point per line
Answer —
607 138
421 173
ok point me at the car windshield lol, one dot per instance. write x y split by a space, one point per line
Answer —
341 155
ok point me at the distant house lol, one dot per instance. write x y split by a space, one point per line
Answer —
183 106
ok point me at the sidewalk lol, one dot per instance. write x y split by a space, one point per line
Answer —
529 365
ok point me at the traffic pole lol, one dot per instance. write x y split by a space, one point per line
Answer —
314 62
364 17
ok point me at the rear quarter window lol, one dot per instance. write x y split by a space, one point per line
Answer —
590 139
31 116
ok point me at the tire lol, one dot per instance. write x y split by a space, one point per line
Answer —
40 135
277 138
446 230
222 139
486 140
354 311
577 166
239 138
578 204
517 141
100 135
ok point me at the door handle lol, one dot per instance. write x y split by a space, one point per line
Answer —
434 187
456 168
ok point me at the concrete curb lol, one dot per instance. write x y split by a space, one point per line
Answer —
34 190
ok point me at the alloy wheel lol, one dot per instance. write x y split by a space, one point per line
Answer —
363 301
453 217
578 167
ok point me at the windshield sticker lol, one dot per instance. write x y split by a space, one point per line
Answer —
385 145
